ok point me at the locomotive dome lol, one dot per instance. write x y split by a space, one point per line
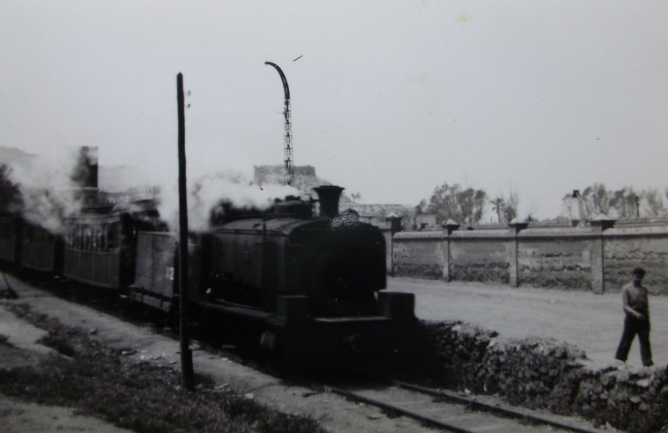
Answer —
293 207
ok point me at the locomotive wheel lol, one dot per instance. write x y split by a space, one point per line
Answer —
272 348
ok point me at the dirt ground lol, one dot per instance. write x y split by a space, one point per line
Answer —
594 323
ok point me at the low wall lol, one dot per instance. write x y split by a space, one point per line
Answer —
598 256
478 256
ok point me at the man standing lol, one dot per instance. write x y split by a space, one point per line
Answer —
636 307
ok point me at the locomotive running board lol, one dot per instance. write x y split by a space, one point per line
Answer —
239 311
352 319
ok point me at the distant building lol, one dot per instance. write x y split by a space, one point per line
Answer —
426 221
120 178
278 174
378 214
305 179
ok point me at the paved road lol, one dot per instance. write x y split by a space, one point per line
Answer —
591 322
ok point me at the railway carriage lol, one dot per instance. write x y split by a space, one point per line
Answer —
10 239
41 250
100 248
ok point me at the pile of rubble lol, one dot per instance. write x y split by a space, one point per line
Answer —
541 373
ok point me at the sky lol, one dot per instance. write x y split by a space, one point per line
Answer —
390 98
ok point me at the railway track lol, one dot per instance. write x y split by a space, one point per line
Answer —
453 412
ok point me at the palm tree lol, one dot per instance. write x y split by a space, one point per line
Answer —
498 206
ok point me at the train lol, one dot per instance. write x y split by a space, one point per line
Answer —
304 287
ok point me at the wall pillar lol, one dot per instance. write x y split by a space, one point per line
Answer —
394 221
600 224
512 252
450 226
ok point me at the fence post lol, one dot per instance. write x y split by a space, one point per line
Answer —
449 226
515 227
599 224
394 222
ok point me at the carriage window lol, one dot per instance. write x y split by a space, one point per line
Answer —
78 237
93 238
38 234
113 236
43 234
85 234
103 239
5 231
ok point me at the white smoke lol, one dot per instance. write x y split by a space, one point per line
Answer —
48 192
207 192
50 196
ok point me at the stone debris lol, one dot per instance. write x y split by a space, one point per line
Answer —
152 358
543 373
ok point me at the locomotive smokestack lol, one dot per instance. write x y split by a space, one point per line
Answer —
329 200
84 174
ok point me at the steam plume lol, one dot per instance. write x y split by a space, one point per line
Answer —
48 192
207 192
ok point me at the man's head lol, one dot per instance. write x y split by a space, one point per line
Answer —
638 274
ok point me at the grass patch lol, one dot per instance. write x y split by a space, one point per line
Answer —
57 343
98 381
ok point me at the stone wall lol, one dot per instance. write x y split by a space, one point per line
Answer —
421 255
596 256
478 256
628 247
555 258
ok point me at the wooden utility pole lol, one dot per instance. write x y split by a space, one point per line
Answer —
186 354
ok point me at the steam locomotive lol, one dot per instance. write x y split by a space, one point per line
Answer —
300 287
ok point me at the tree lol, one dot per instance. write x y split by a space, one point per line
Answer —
652 203
596 200
498 205
461 205
512 205
506 208
623 203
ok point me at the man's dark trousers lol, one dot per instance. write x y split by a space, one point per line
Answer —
633 326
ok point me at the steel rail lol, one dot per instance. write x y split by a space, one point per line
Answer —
518 413
399 410
453 398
